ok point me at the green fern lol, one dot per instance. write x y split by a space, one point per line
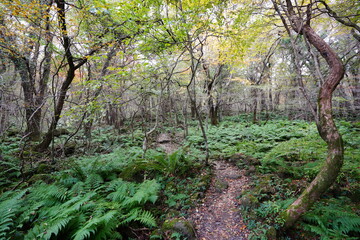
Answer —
175 163
83 203
147 191
52 194
78 188
56 226
91 213
333 220
59 216
98 227
8 210
9 170
34 233
347 224
120 190
137 214
94 181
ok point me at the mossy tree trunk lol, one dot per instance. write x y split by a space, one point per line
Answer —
326 126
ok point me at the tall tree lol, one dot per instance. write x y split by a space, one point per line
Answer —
299 21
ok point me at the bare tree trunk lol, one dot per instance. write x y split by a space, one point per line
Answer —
185 115
326 126
201 124
213 111
192 106
195 62
147 134
255 104
210 83
45 67
3 110
355 75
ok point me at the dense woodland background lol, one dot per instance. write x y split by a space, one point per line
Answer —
89 90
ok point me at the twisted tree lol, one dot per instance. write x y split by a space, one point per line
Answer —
299 21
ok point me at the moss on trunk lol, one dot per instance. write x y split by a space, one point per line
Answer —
325 124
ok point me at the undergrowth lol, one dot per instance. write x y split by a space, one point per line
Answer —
109 189
287 168
98 196
77 208
333 219
291 153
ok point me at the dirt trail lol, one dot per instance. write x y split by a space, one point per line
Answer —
218 217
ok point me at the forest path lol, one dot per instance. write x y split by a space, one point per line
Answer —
218 217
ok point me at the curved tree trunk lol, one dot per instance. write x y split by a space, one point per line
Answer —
326 126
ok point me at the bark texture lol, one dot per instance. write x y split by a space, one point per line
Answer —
28 85
326 126
210 82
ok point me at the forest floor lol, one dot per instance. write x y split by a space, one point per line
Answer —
218 217
167 143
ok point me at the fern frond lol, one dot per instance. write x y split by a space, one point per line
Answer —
92 227
75 203
131 216
57 218
52 193
135 167
120 194
77 188
146 218
142 216
29 210
332 220
68 181
147 192
34 233
113 185
56 226
8 210
347 224
94 181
